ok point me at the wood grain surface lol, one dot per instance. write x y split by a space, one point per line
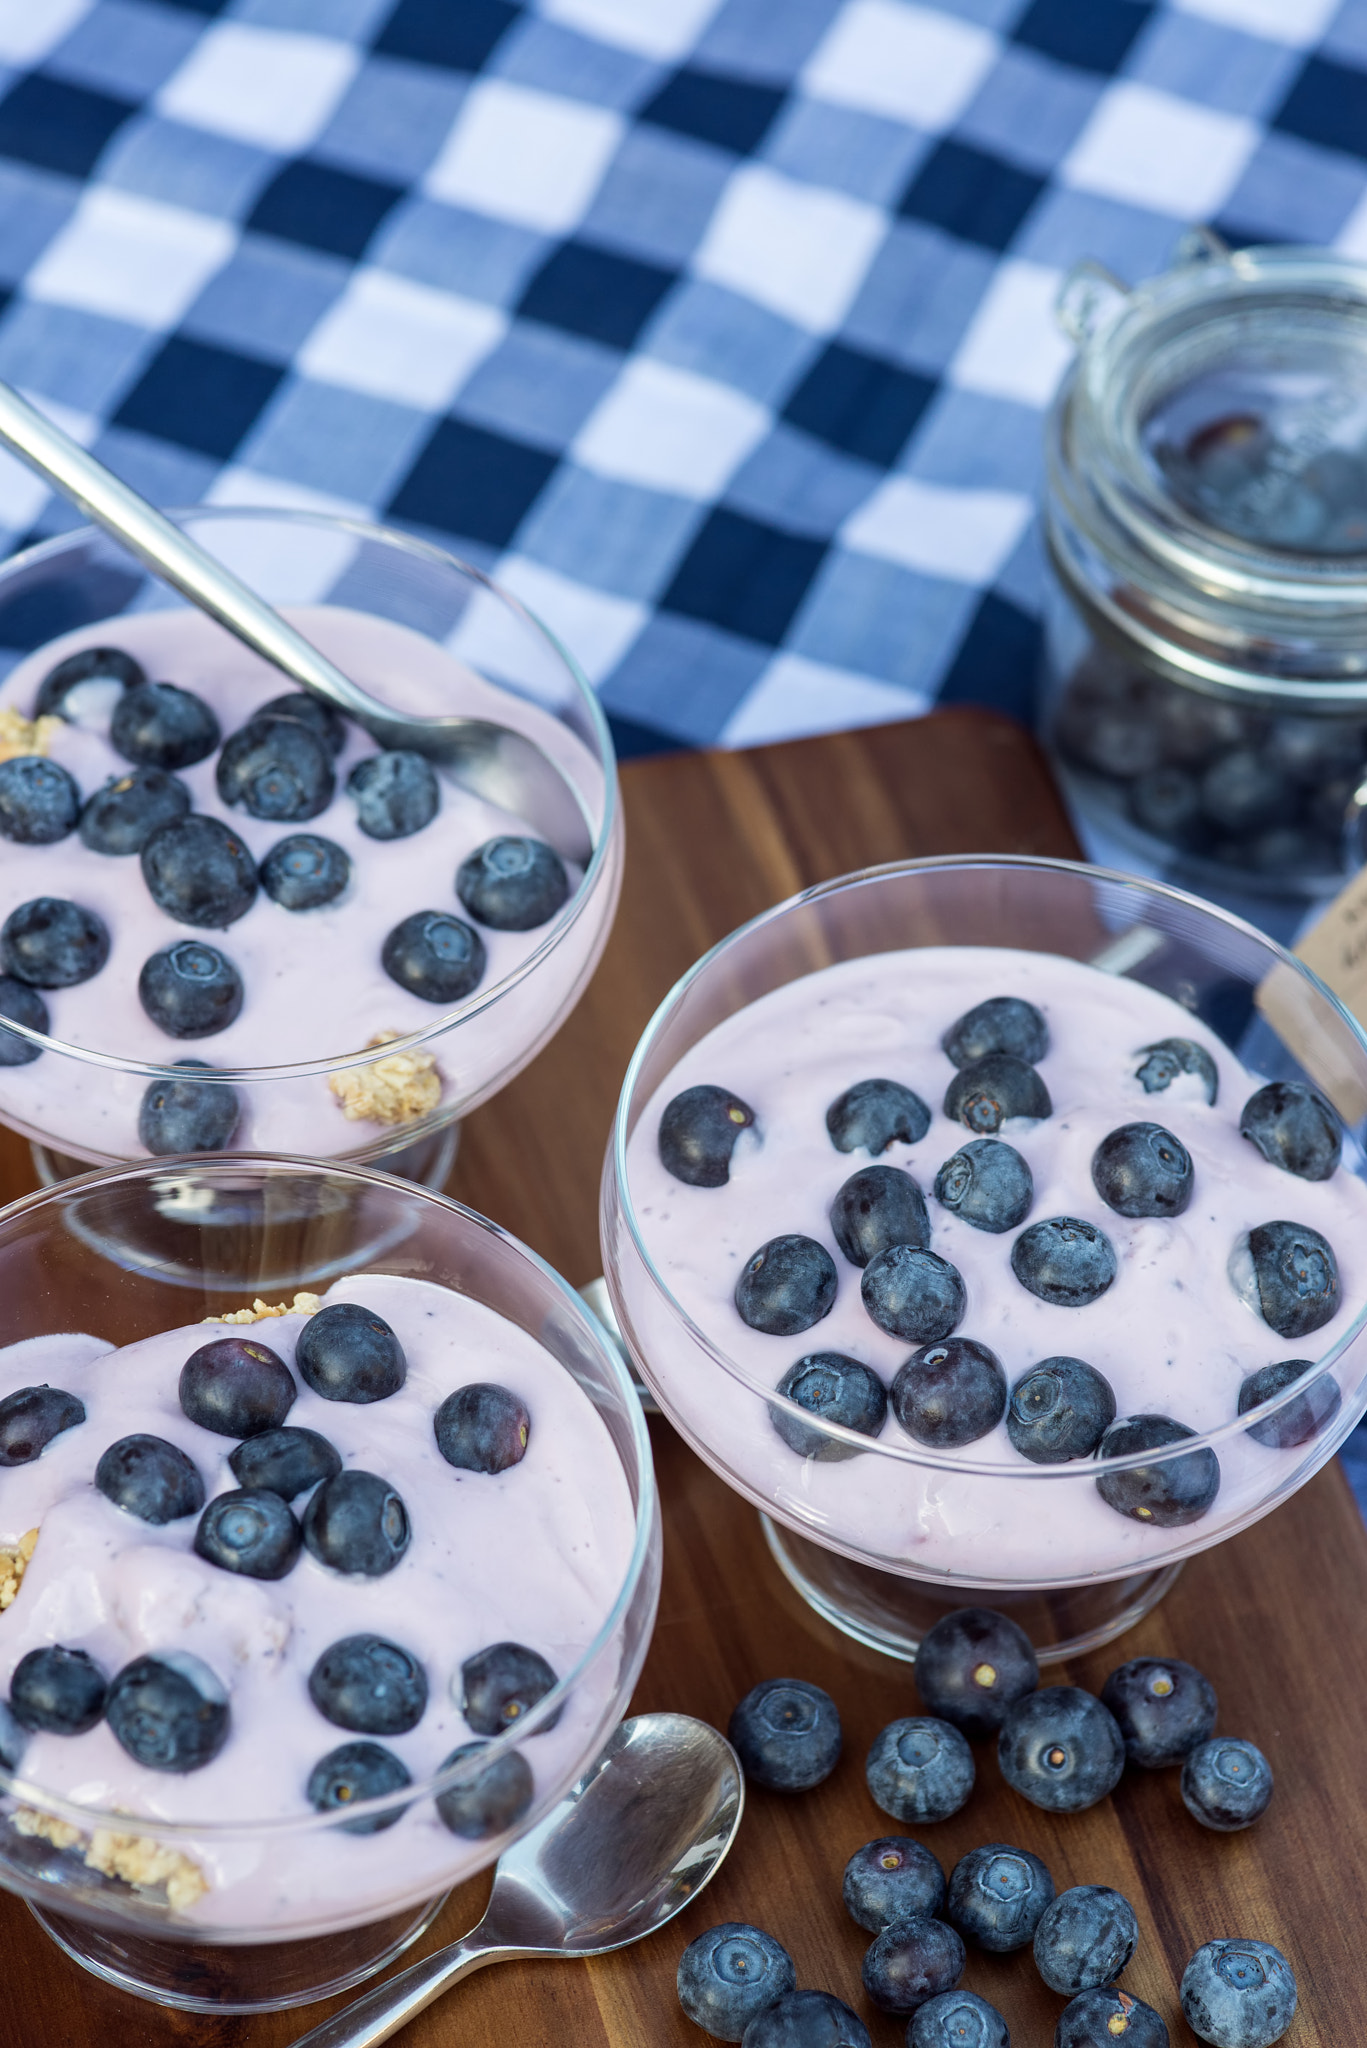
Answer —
1274 1618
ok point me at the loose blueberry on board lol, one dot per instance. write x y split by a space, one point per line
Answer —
1162 1707
874 1114
253 1534
877 1207
500 1686
1059 1409
1143 1170
276 768
807 2019
919 1769
985 1095
986 1183
1063 1260
786 1286
957 2019
200 872
190 990
482 1427
973 1666
149 1478
888 1879
395 794
236 1386
1299 1420
188 1116
305 871
25 1006
1239 1994
347 1353
1061 1749
1161 1064
512 884
1294 1128
285 1461
91 665
913 1960
31 1417
39 801
698 1133
494 1799
120 818
324 721
729 1975
356 1771
370 1685
160 726
58 1691
1085 1939
950 1394
1294 1277
1169 1493
1101 2019
50 942
914 1295
356 1522
836 1389
786 1734
435 956
1002 1024
998 1895
168 1711
1226 1784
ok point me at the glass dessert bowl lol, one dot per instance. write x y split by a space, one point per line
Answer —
307 1617
973 1368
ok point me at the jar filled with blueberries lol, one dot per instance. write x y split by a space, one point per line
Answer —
1206 517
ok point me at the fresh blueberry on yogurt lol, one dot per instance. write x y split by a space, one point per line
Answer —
395 794
512 884
356 1522
276 768
1294 1128
874 1114
188 1115
786 1286
109 665
39 802
1168 1493
494 1799
323 720
190 990
236 1386
832 1388
160 726
287 1461
986 1183
357 1771
1002 1024
500 1686
347 1353
1164 1062
435 956
1299 1420
1065 1261
912 1294
58 1691
876 1207
1143 1170
31 1417
169 1711
950 1393
120 818
1287 1273
253 1534
698 1133
199 872
483 1428
149 1478
370 1685
988 1093
305 871
52 943
25 1006
1059 1409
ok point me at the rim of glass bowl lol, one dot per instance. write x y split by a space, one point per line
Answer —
482 999
13 1783
911 1453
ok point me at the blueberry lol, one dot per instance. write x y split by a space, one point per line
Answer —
1061 1749
49 942
807 2019
1299 1420
1243 792
91 665
284 1461
199 872
435 956
919 1769
1294 1128
512 884
356 1771
1059 1409
13 1740
305 871
1143 1170
120 818
1085 1939
149 1478
236 1386
1162 1708
1169 1493
395 794
950 1393
914 1295
987 1184
730 1974
888 1879
877 1207
1226 1783
188 1116
168 1711
1002 1024
57 1690
25 1006
370 1685
786 1734
1163 1062
786 1286
348 1353
482 1428
190 990
500 1686
985 1095
1294 1277
276 768
972 1666
356 1522
492 1801
957 2019
1239 1994
31 1417
873 1114
837 1389
39 801
698 1133
253 1534
323 720
1100 2019
913 1960
160 726
1065 1261
997 1896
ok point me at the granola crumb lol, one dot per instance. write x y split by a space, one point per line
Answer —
260 1311
45 1827
135 1858
20 735
13 1565
393 1090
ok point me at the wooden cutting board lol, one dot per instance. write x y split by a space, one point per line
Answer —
1276 1617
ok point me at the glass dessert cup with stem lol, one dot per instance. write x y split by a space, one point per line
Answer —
341 1923
881 1535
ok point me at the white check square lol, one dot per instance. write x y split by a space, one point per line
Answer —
913 64
596 627
940 531
655 28
795 697
132 258
269 86
670 430
525 156
1013 346
30 28
1151 149
802 250
400 340
1297 22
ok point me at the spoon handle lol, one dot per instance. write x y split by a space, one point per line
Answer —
379 2014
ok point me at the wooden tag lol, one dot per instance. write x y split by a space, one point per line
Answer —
1334 948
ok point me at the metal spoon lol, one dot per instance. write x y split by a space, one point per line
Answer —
632 1844
503 766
